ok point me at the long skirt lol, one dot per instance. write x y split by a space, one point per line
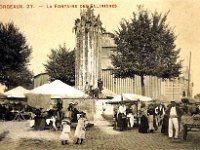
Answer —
80 132
121 122
164 128
64 136
143 127
151 123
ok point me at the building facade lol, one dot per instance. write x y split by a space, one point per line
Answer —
40 79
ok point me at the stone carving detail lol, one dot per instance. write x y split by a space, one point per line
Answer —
88 30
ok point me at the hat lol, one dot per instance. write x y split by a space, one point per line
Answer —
73 103
82 114
65 121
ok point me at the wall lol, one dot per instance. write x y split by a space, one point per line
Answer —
40 79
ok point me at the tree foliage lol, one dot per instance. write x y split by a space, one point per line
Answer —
145 46
14 57
61 65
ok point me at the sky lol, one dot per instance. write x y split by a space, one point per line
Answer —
46 28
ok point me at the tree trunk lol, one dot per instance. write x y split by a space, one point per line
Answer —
142 85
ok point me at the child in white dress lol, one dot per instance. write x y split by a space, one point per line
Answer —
64 137
81 128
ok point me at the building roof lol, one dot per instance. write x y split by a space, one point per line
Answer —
130 97
40 74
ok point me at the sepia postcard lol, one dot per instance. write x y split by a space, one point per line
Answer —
106 103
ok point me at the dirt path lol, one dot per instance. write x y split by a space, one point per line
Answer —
18 130
101 123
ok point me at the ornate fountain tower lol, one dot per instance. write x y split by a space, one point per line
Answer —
88 30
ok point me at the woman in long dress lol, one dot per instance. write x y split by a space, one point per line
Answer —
80 128
144 126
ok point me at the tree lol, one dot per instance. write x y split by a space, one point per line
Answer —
61 65
14 57
145 46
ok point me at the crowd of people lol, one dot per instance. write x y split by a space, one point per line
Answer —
151 118
55 118
172 120
65 120
129 115
47 119
148 118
